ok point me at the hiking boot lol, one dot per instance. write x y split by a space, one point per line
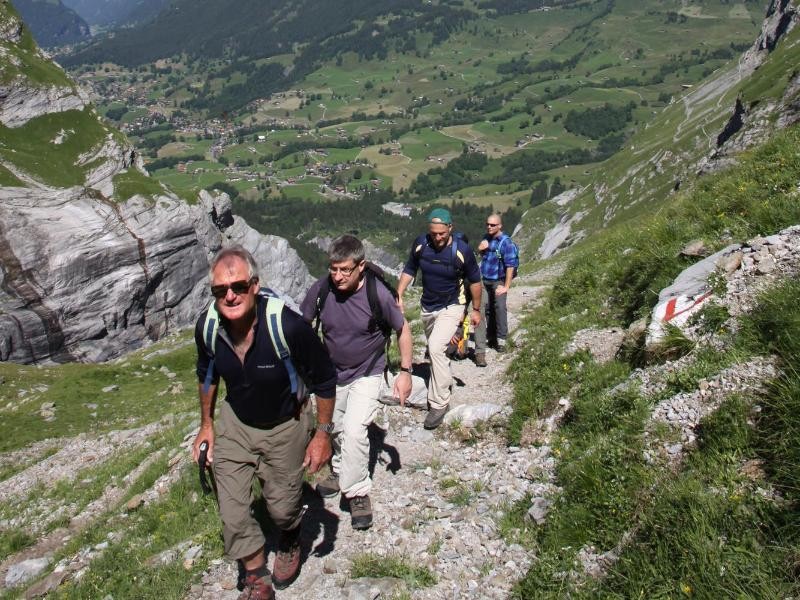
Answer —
287 559
480 359
360 512
501 346
435 417
257 588
328 487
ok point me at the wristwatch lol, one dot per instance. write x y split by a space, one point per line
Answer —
326 427
406 370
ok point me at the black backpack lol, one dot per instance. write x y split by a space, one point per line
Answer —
373 275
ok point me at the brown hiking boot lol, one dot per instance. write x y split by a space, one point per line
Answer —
480 359
360 512
328 487
287 560
435 417
257 588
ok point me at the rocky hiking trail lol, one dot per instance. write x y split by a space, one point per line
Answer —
439 497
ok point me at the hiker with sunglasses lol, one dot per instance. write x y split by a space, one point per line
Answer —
499 264
264 426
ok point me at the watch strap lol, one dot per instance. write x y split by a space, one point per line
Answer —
326 427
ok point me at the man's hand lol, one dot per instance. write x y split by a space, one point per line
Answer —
474 318
318 452
483 246
206 434
402 387
500 290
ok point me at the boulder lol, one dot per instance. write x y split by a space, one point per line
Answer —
686 296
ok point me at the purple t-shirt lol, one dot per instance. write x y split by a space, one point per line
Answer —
345 326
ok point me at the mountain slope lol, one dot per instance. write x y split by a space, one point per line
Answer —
96 257
739 105
52 22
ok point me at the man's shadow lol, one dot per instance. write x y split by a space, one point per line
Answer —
377 446
316 518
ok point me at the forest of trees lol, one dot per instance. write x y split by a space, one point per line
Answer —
597 122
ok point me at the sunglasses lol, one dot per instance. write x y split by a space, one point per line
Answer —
493 224
237 287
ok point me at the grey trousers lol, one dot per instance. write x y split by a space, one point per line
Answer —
494 324
274 455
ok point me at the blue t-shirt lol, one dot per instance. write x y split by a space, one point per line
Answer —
443 275
501 254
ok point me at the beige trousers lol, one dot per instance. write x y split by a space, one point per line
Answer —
275 456
357 406
440 325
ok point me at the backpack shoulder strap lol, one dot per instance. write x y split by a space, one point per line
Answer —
210 331
419 245
322 295
275 328
377 320
454 262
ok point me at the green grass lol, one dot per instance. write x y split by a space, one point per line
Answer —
608 487
8 179
71 387
53 164
14 540
132 182
401 567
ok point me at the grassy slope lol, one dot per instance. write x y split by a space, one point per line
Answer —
704 531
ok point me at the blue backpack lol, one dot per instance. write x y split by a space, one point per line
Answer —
499 253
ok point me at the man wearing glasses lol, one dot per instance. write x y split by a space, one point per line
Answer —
500 259
447 264
263 428
356 344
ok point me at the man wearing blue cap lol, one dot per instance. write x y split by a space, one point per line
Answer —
447 264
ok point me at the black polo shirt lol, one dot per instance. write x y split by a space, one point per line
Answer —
259 391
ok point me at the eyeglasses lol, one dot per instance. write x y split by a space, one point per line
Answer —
237 287
346 271
493 224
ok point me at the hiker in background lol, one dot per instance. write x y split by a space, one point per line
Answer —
447 264
265 422
500 260
358 313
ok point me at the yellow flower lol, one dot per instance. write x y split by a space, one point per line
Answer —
686 589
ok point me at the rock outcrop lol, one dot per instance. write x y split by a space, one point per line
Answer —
84 278
86 273
20 102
